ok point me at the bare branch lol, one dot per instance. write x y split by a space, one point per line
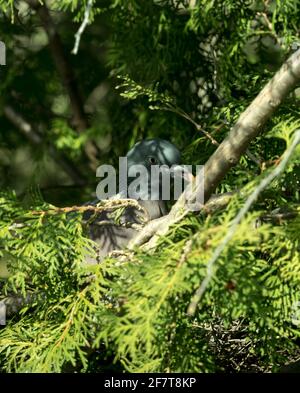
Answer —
277 216
82 26
207 134
110 204
270 26
160 226
250 123
182 113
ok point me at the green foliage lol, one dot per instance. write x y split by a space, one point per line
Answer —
199 71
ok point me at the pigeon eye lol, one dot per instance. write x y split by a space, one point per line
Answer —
152 160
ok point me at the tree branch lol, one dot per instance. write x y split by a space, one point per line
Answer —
250 123
231 149
36 139
82 26
234 225
198 127
159 227
67 76
108 205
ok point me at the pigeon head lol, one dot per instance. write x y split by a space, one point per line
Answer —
143 156
153 152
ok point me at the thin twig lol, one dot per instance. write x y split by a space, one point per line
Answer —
110 204
83 26
251 199
270 26
186 116
185 252
160 226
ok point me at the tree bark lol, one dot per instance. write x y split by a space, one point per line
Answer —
231 149
250 123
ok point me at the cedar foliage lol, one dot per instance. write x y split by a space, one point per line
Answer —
148 69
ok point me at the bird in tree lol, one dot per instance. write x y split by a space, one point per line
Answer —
110 234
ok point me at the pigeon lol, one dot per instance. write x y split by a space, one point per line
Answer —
110 235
